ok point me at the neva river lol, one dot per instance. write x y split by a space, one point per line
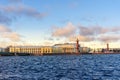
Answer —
61 67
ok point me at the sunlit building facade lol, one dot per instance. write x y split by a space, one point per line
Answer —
36 50
41 50
65 48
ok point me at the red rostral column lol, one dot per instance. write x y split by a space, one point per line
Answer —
77 46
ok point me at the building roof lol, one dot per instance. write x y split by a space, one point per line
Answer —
30 46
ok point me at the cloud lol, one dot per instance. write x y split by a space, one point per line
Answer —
4 29
70 33
23 11
11 12
12 36
7 33
81 38
96 30
115 29
109 38
48 43
4 44
87 33
5 19
65 31
50 39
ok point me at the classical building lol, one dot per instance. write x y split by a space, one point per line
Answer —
36 50
65 48
41 50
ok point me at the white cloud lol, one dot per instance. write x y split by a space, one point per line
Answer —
12 36
4 29
7 33
65 31
87 34
81 38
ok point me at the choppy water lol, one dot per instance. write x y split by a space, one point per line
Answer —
61 67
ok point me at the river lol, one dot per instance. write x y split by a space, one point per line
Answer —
61 67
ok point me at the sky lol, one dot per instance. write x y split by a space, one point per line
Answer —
47 22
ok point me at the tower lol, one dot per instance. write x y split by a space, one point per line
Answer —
77 46
107 47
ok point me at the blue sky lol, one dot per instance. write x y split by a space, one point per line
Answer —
46 22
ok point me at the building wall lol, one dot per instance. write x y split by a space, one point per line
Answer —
57 50
33 50
65 48
2 49
46 50
84 49
39 50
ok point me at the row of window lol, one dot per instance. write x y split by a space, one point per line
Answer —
38 50
30 51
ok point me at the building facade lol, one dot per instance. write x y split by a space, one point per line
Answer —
35 50
41 50
65 48
2 49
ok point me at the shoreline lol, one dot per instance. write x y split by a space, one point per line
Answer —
48 54
43 54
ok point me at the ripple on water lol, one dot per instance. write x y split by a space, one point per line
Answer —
70 67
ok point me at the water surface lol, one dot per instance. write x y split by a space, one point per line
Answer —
61 67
